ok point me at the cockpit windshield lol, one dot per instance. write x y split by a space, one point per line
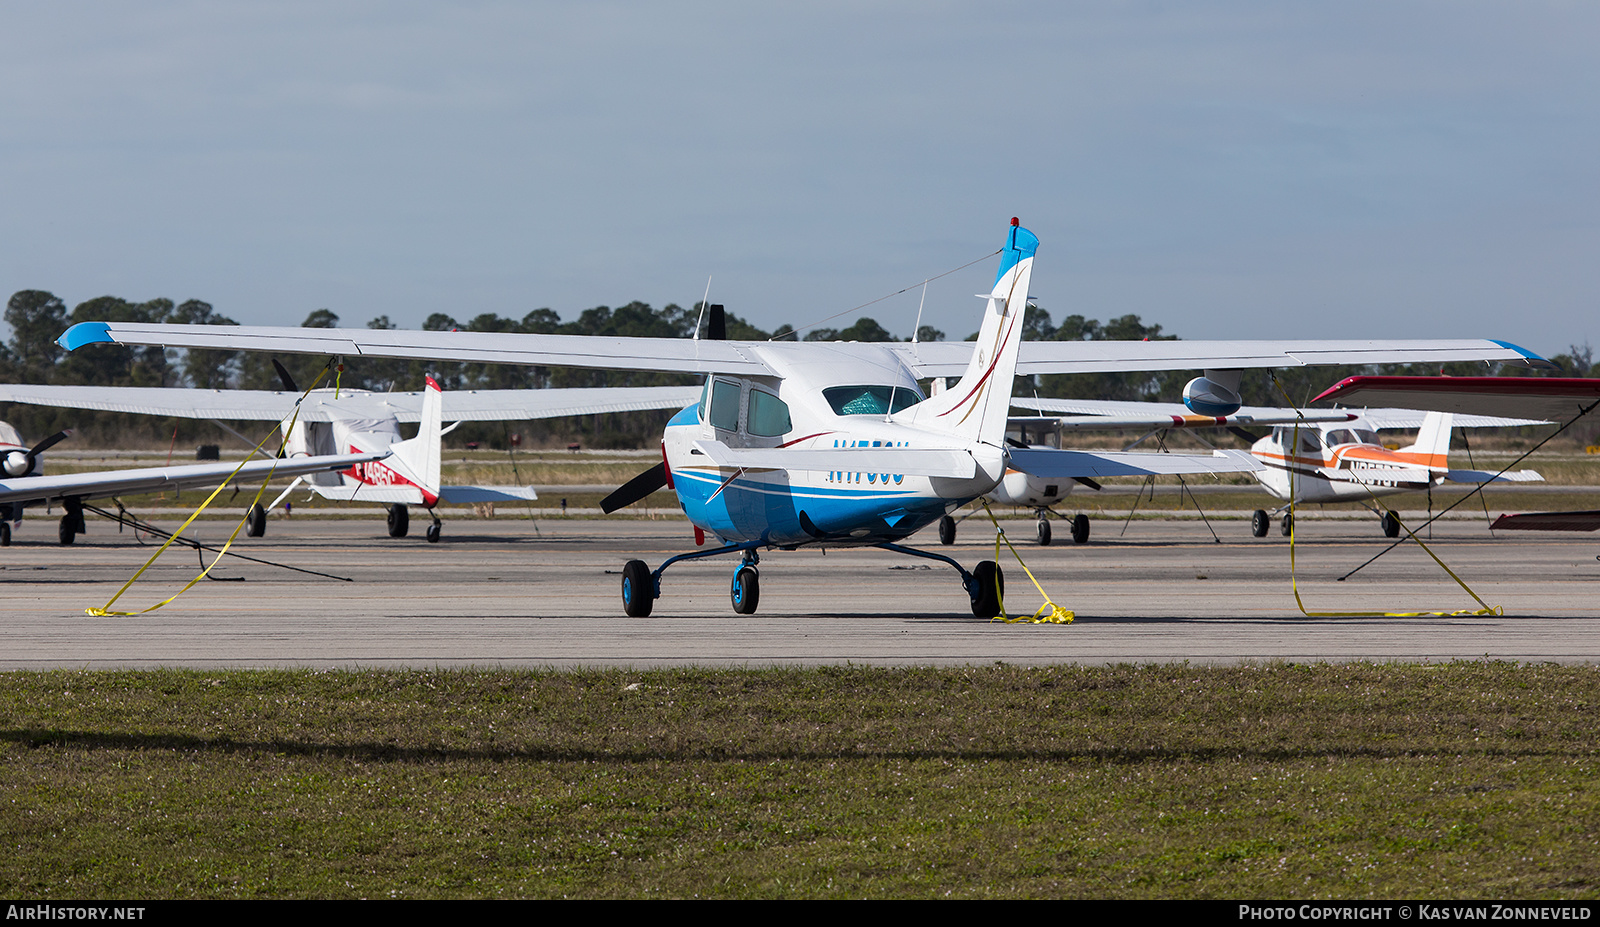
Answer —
870 400
1352 436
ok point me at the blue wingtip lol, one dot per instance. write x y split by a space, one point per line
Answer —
1533 359
85 333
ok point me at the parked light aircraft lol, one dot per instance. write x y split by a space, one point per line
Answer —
25 484
1345 441
813 444
1559 399
331 420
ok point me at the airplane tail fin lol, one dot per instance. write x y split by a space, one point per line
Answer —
418 459
1433 441
976 407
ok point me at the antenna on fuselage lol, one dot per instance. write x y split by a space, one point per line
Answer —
702 316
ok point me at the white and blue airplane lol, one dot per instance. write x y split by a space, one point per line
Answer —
808 444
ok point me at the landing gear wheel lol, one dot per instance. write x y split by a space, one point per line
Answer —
66 532
991 587
1391 525
1044 532
1080 528
947 531
1259 523
5 534
1287 527
638 589
746 590
255 521
433 533
399 521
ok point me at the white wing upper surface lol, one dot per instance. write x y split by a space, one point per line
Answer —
154 479
322 405
1054 464
1091 413
743 357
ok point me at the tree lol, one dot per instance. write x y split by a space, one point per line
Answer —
37 319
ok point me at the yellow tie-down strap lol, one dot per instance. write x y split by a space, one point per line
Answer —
105 610
1049 612
1294 583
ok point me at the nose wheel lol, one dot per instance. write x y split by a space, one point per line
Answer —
746 590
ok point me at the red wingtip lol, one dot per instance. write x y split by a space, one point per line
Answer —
1015 221
432 384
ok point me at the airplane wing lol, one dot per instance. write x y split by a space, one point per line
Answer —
1108 414
321 405
1090 413
947 359
1054 464
743 357
1550 521
155 479
906 461
1553 398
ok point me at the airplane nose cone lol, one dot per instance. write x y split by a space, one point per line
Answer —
16 464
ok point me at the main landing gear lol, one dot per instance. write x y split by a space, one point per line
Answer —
399 520
255 521
641 586
72 522
1080 528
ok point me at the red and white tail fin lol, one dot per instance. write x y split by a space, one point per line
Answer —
1432 449
417 459
976 408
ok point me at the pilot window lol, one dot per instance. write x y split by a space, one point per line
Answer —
769 415
870 400
725 405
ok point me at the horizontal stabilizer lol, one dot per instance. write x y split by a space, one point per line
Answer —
910 461
1485 476
1379 476
1053 464
468 495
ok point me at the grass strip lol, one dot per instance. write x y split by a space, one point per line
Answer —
1275 781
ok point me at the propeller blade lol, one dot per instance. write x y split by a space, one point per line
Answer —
284 377
716 323
1248 436
50 442
635 489
1087 482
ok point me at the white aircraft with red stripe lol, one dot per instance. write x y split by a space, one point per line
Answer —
335 421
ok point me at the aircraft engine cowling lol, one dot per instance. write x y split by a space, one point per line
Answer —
1205 396
17 463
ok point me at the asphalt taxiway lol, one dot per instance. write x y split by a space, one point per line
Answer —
495 593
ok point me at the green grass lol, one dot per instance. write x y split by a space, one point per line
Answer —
1461 780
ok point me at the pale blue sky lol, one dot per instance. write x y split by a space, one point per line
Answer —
1229 170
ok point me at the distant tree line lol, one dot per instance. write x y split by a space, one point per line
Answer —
38 317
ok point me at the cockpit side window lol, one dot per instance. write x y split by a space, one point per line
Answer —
769 415
1310 440
870 400
725 405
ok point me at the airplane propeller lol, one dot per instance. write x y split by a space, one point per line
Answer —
284 377
716 323
20 463
635 489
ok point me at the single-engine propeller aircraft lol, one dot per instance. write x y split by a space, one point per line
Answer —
1349 462
331 419
1559 399
24 482
815 444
